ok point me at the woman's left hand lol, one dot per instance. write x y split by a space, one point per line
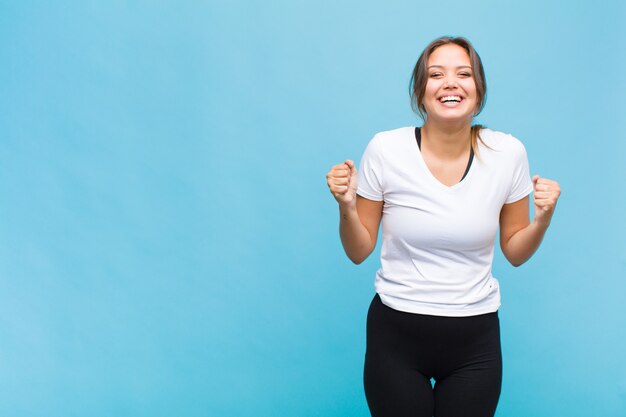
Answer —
546 194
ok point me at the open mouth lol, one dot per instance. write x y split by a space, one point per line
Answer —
450 99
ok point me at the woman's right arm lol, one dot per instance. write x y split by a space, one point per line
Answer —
359 218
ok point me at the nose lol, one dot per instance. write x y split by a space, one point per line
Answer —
450 82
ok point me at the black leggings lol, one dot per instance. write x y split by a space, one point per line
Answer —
406 350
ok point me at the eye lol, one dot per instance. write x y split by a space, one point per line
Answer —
435 74
465 74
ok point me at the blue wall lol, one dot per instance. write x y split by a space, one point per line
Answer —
168 245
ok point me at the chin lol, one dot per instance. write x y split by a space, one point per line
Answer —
451 118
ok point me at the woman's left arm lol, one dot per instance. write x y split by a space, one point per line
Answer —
519 238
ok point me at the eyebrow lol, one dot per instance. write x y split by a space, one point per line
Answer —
441 66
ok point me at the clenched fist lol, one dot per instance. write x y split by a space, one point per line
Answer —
546 194
342 181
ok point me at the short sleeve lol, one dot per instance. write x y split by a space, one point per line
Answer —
521 183
369 172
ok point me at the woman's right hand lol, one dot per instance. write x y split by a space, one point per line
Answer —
343 183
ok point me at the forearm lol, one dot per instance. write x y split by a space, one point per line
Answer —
356 240
523 244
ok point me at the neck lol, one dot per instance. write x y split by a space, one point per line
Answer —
446 140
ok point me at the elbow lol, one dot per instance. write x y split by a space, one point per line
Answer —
514 258
359 257
516 262
358 253
357 260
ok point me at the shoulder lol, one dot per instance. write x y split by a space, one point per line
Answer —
501 142
390 145
394 135
390 139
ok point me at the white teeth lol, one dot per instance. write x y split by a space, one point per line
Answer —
450 98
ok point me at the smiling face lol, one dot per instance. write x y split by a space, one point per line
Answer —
450 93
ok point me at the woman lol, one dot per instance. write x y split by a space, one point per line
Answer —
442 191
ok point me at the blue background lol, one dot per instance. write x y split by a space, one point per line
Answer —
168 245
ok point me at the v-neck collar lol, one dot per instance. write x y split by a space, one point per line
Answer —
466 175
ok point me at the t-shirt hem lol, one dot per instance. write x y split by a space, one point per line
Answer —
519 196
433 311
369 196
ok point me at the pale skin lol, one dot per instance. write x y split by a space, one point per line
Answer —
445 149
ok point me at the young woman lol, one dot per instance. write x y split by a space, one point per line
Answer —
442 191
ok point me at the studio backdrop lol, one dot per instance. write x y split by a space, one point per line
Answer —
168 244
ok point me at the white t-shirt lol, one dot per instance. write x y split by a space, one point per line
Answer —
438 241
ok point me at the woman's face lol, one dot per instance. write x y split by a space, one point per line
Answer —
450 93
